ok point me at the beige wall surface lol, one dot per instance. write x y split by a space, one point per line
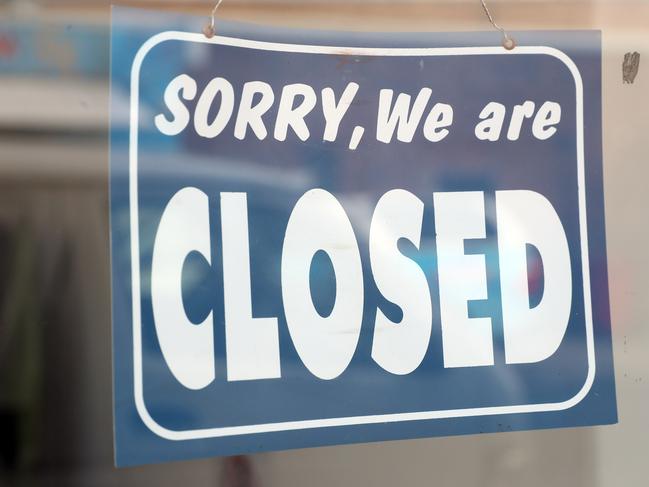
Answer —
59 186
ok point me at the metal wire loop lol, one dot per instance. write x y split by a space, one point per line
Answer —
508 42
209 30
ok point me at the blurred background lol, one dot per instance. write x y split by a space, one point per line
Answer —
55 347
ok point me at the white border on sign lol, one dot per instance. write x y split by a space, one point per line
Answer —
351 420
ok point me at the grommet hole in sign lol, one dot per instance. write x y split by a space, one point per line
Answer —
508 42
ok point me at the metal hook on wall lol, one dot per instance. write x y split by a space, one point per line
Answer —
508 42
209 30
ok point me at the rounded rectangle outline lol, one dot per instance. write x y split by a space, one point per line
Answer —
351 420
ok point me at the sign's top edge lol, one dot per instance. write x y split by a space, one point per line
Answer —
141 18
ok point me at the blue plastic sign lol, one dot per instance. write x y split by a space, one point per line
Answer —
327 238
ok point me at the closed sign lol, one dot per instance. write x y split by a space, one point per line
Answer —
368 238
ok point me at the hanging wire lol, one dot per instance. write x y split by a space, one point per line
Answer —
508 42
209 29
